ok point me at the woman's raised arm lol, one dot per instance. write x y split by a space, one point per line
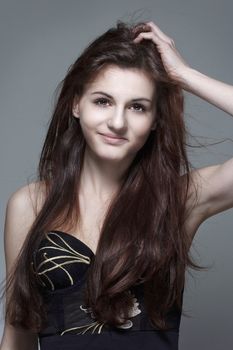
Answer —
215 182
213 91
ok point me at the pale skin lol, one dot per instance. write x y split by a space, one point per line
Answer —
105 164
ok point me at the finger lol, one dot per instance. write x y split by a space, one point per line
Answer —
160 33
155 38
144 27
148 35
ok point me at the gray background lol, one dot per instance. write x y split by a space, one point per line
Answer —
40 39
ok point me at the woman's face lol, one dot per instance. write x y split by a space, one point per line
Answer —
117 103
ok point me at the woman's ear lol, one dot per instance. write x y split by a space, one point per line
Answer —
75 109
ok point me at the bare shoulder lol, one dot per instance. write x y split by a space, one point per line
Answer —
21 210
28 198
26 201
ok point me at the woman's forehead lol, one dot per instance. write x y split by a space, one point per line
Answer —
129 80
114 71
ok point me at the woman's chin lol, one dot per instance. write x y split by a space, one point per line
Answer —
111 154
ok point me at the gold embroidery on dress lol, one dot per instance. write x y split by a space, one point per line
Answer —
76 253
88 327
51 283
34 271
94 324
75 257
128 323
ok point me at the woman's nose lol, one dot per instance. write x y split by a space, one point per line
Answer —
117 119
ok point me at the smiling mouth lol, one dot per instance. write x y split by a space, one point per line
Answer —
113 137
113 140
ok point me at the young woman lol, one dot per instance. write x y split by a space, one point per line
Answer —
97 248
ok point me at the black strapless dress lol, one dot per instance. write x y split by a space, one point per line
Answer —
61 263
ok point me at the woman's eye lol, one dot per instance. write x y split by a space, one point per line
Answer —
101 101
139 107
104 101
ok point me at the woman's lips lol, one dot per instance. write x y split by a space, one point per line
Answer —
113 139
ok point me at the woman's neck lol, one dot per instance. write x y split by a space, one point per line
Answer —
100 178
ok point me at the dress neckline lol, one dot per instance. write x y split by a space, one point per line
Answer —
75 238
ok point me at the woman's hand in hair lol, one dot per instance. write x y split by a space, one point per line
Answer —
174 64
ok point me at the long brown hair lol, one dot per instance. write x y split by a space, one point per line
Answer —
143 237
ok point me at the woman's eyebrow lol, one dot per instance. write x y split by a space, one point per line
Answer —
109 96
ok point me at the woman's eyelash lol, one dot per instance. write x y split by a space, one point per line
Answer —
138 105
143 109
100 100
